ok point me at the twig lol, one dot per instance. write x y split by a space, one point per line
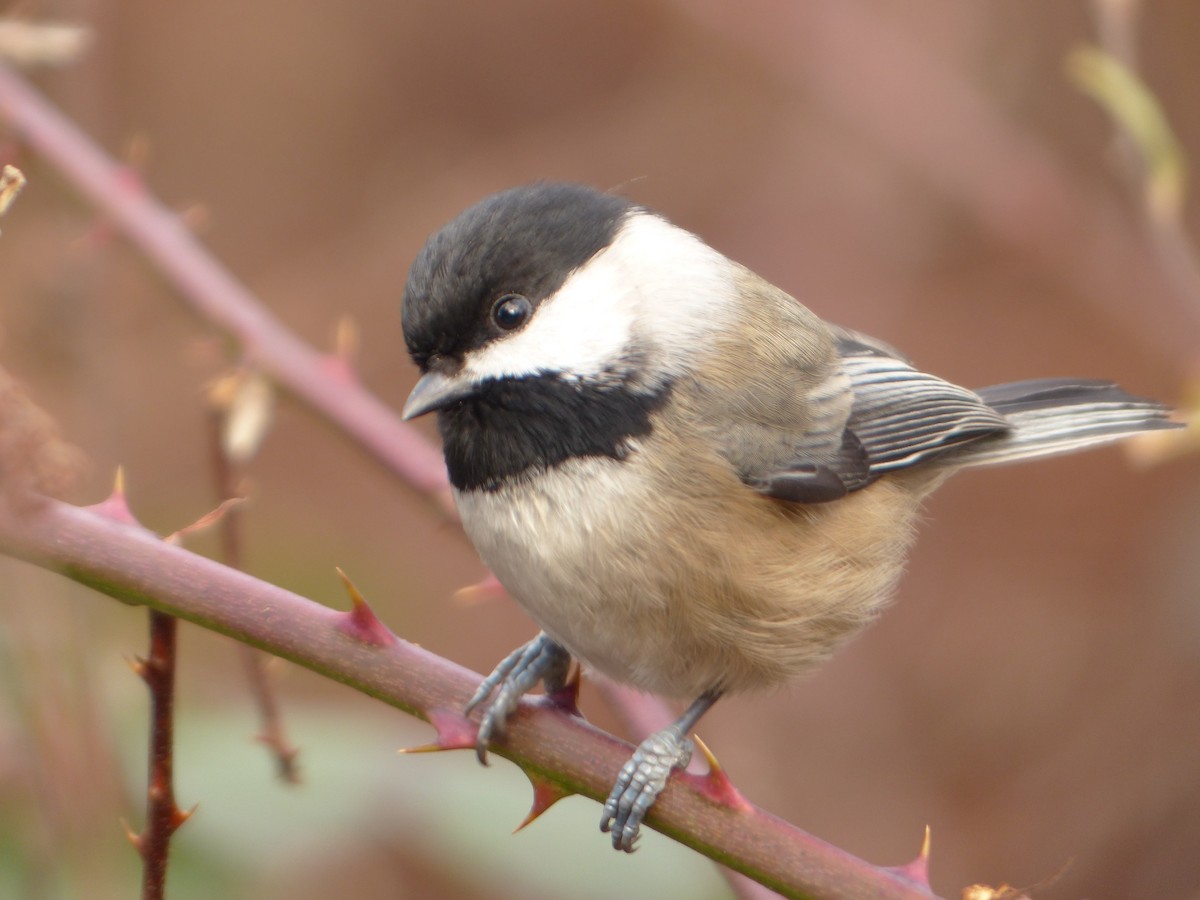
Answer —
130 563
229 527
163 817
271 730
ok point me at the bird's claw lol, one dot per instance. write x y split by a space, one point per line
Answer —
640 782
539 660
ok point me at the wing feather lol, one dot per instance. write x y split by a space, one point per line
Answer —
902 415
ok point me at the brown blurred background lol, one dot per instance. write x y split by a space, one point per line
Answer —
921 170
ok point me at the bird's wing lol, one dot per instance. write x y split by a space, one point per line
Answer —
903 416
874 414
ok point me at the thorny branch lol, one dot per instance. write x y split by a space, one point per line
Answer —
561 754
955 166
163 817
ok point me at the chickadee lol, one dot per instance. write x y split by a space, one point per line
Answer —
691 482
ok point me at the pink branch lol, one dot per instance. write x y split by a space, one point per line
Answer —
130 563
216 295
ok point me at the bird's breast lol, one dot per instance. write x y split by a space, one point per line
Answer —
683 580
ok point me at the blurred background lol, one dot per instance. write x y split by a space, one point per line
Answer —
921 170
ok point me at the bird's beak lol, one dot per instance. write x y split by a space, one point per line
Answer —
436 391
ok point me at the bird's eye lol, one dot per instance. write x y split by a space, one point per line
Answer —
511 311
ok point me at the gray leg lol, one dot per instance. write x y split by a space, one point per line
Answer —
645 776
539 660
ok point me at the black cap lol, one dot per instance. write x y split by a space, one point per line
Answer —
526 240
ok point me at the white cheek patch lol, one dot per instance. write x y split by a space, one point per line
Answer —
656 283
578 331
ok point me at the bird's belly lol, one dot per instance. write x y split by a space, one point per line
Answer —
679 594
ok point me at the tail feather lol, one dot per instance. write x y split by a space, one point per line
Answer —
1060 415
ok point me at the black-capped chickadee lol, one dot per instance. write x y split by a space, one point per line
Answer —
691 482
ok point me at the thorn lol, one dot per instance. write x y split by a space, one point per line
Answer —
130 173
139 665
360 622
545 794
422 748
715 784
454 732
138 152
341 363
101 233
339 369
179 816
484 591
115 506
210 518
145 667
345 342
220 391
196 218
566 699
130 179
132 836
917 871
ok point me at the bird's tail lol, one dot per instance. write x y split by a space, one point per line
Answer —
1060 415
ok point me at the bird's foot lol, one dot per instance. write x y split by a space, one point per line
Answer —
539 660
641 780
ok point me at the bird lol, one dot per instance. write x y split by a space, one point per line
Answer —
691 483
